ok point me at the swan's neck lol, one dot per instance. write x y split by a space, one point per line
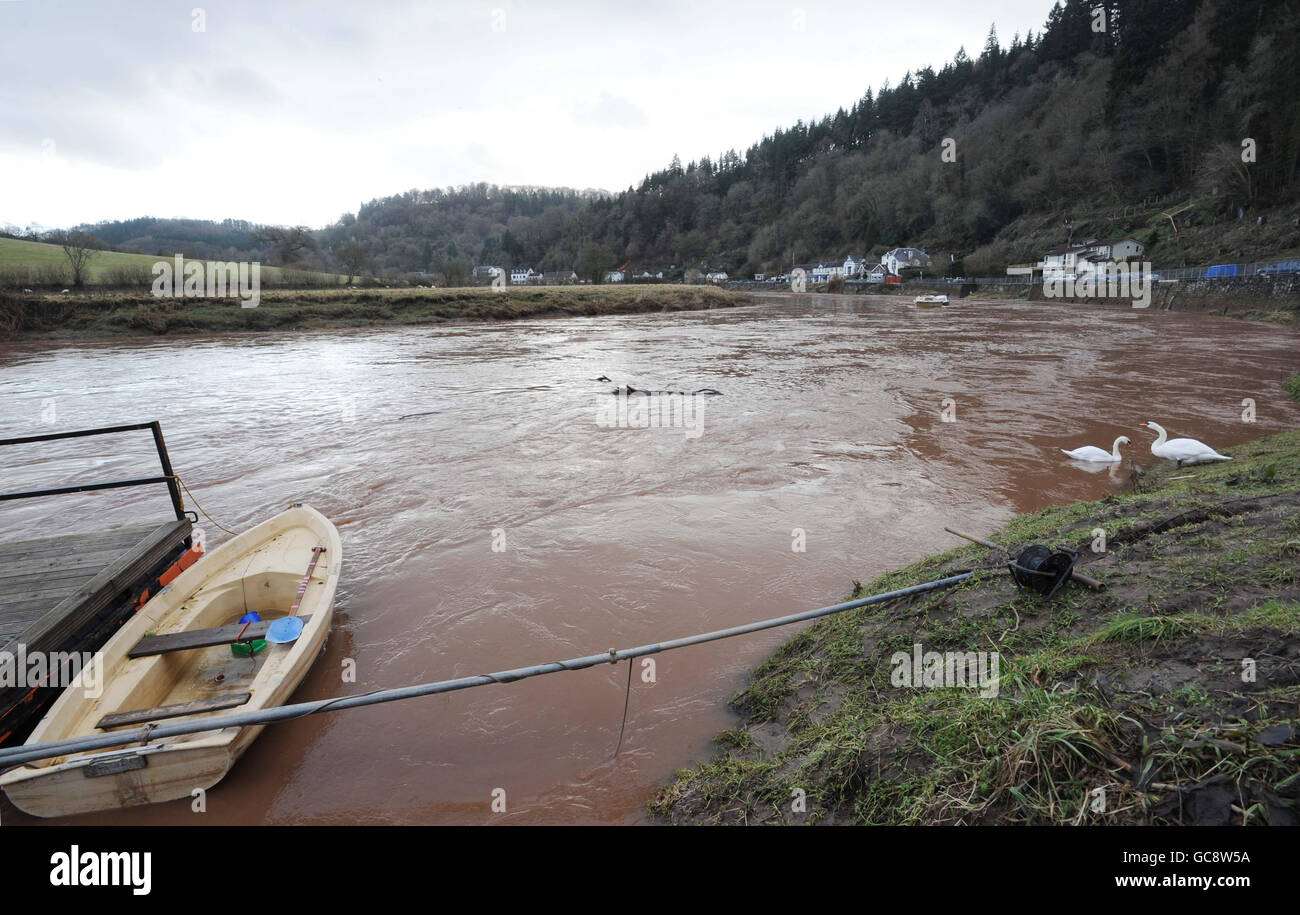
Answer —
1161 435
1114 450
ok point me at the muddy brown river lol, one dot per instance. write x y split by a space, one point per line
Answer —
830 428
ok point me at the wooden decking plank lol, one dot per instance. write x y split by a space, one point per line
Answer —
94 560
34 585
69 614
120 538
16 617
199 638
29 609
193 707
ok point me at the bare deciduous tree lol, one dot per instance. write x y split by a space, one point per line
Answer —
1223 174
454 271
80 248
594 262
288 244
354 258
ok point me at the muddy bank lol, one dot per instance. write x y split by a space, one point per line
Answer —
1169 697
99 314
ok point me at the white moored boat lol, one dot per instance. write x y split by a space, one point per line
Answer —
192 651
930 301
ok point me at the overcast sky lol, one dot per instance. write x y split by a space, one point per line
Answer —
289 112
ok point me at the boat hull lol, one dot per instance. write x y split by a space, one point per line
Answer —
167 776
259 569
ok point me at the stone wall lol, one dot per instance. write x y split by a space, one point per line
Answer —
1225 295
1239 295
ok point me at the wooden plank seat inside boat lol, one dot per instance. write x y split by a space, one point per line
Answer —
200 638
176 710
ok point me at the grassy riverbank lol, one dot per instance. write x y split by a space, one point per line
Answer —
38 264
94 314
1136 690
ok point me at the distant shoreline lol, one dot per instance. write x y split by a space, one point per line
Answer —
95 314
1274 300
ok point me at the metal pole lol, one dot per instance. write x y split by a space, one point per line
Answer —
168 477
80 433
28 753
177 502
85 487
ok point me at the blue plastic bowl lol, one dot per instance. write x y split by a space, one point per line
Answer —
285 629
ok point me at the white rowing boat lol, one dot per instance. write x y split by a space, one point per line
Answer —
930 301
174 661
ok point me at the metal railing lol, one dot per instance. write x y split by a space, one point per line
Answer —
168 475
1271 268
1223 271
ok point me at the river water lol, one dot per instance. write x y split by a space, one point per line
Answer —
828 434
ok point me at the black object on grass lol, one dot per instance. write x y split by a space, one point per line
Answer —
1042 569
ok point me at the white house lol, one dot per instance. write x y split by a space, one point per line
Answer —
521 275
1063 259
1119 249
1073 260
854 266
898 259
614 276
716 276
876 274
1086 256
486 273
821 273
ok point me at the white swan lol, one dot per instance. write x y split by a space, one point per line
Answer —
1099 455
1182 450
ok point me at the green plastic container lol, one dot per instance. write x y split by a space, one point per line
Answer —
247 649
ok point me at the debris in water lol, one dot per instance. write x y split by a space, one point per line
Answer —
414 415
628 389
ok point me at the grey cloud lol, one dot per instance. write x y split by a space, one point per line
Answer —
609 111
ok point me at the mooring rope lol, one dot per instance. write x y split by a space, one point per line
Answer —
198 506
627 698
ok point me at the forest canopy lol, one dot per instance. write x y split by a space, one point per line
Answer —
1109 103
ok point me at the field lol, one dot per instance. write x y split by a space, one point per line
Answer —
104 314
30 264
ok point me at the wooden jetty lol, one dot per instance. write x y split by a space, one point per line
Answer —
70 593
